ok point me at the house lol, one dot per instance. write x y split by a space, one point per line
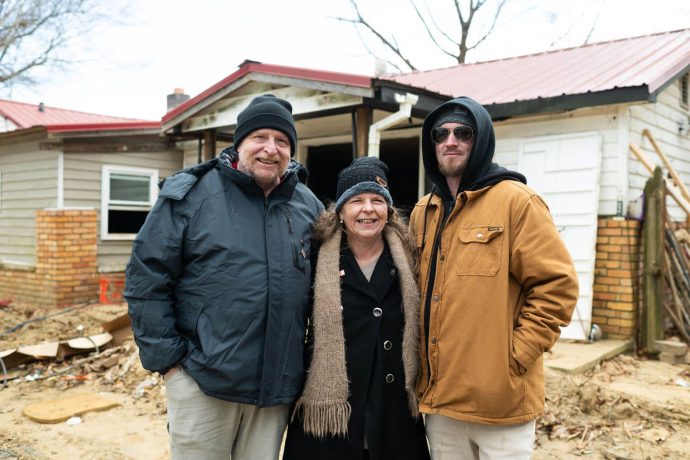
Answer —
564 118
74 189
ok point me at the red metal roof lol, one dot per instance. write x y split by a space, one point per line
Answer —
651 60
24 115
271 69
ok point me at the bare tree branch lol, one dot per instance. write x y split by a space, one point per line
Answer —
33 32
441 39
428 31
392 46
491 28
594 23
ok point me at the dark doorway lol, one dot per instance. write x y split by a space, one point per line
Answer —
402 158
324 162
401 155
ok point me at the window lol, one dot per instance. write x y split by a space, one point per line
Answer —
684 90
127 195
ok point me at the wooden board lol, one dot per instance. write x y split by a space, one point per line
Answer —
59 410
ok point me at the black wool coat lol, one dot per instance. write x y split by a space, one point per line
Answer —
373 323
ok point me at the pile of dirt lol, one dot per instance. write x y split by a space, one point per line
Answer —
625 408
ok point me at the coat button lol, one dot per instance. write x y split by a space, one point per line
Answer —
387 345
442 257
378 312
433 341
436 297
389 378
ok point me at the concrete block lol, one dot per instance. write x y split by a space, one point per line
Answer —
672 347
672 359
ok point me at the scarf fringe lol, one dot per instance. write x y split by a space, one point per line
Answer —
412 402
321 420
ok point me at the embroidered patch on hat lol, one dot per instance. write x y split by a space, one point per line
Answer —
381 181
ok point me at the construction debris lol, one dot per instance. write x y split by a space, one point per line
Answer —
677 275
667 269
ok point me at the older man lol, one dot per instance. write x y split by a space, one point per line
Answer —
497 284
218 287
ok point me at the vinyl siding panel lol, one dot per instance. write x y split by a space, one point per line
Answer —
82 186
29 183
511 134
191 153
663 119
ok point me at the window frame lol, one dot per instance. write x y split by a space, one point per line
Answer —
107 204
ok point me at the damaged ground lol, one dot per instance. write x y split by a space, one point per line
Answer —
625 408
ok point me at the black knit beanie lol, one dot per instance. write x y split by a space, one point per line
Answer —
266 111
364 175
455 114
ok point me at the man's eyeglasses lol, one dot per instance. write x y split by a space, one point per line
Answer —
461 133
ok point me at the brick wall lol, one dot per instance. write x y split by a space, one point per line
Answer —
616 278
66 271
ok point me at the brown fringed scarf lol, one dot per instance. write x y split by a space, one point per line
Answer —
324 405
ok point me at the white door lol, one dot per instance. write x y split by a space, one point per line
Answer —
564 170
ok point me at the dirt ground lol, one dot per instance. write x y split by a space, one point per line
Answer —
626 408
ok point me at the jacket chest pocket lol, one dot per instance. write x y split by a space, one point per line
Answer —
479 250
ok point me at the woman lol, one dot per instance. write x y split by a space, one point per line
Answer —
359 399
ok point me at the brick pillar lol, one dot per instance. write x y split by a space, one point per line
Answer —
66 255
616 277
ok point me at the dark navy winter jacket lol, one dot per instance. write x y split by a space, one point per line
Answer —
218 282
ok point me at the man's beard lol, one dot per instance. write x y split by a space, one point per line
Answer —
452 171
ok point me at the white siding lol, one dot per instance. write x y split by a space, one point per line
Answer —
29 183
665 119
510 134
83 189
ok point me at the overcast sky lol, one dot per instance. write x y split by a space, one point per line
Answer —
127 67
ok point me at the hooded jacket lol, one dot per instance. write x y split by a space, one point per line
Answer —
218 282
496 282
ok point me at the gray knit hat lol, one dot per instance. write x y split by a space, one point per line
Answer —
364 175
455 114
266 111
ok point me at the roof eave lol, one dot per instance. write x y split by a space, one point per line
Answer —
428 100
347 83
568 102
23 132
147 127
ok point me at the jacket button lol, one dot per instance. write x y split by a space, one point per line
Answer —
378 312
387 345
436 297
433 341
389 378
442 257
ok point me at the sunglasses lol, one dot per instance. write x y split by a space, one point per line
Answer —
461 133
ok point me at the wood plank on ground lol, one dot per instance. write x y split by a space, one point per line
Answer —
59 410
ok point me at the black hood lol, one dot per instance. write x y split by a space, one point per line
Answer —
480 171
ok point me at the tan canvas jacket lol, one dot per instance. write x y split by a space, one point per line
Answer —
504 285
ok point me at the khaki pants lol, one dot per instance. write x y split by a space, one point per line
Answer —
203 427
451 439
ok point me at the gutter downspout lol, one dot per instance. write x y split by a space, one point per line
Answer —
406 102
